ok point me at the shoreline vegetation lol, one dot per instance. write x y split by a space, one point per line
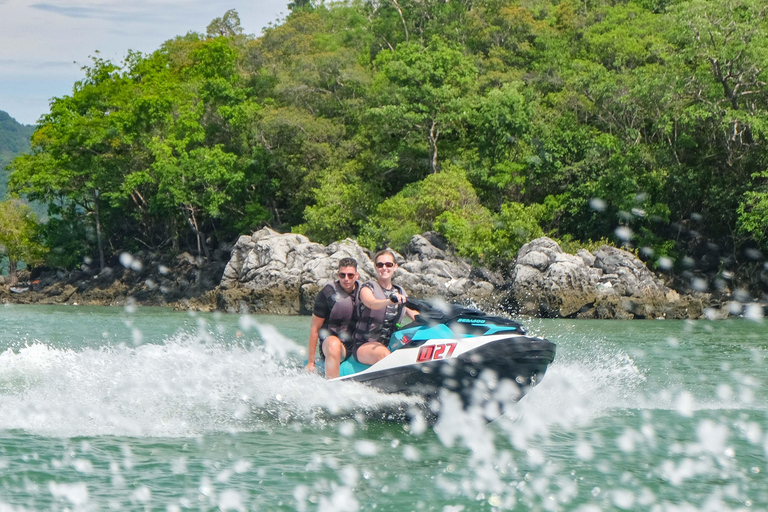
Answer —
274 273
491 125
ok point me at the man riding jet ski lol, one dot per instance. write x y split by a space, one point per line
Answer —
449 347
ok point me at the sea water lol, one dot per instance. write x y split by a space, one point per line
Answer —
149 409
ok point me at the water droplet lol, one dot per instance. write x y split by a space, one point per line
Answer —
623 233
754 312
699 284
126 259
597 204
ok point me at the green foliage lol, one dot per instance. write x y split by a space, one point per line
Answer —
447 202
19 235
572 246
342 202
492 240
514 226
70 242
426 92
753 211
492 121
416 208
297 5
226 26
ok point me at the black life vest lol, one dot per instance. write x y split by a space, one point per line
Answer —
376 324
341 320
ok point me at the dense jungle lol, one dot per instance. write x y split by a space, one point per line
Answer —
493 122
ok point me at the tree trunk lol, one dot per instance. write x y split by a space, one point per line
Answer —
202 247
402 18
175 247
98 231
434 134
13 275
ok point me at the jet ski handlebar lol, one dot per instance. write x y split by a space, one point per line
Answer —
416 304
410 303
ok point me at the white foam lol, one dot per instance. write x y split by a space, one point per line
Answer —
187 386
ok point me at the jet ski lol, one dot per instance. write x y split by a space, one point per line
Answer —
450 346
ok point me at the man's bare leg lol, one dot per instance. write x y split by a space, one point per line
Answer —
334 352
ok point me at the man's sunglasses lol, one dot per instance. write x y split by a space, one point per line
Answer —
342 275
382 264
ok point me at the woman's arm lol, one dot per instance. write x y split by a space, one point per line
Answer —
366 295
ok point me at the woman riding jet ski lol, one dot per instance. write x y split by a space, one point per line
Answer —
449 347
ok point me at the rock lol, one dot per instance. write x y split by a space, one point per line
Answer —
278 273
633 277
146 280
611 283
271 272
587 257
436 239
548 282
422 249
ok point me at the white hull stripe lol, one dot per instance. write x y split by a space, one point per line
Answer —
407 357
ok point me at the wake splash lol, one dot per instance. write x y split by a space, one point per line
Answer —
599 379
193 384
186 386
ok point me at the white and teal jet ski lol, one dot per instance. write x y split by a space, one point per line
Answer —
449 347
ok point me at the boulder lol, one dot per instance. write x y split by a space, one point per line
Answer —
611 283
271 272
279 273
632 276
548 282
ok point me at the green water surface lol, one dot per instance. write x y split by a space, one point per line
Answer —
150 409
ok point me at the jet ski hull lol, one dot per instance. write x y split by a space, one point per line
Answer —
455 364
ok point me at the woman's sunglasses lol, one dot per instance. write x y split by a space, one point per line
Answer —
342 275
382 264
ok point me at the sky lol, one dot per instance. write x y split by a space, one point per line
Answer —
45 43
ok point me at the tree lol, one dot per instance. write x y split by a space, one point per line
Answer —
419 205
342 203
79 151
722 145
429 89
19 236
226 26
297 5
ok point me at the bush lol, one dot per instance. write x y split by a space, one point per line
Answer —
418 206
492 240
447 202
342 200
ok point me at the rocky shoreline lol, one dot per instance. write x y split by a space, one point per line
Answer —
274 273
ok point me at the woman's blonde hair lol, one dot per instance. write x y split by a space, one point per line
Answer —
385 251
